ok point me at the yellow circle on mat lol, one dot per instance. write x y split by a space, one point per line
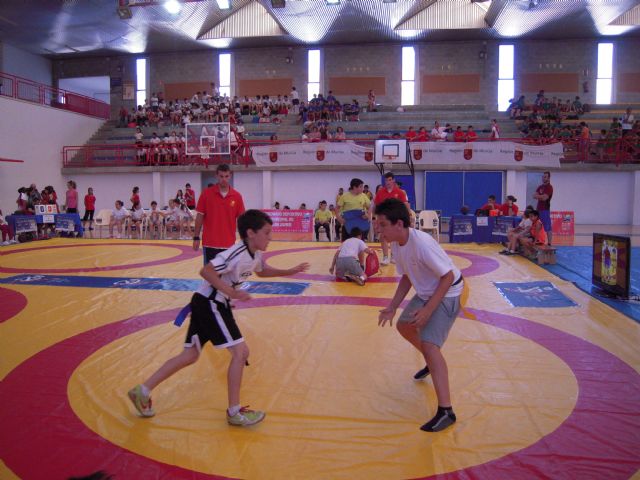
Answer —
91 256
339 397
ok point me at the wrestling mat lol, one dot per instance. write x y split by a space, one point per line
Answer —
544 378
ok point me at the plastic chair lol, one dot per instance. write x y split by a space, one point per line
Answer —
429 222
101 220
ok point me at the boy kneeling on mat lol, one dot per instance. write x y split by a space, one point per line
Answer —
349 260
427 319
212 318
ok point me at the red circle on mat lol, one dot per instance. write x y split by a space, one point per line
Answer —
186 253
12 303
597 440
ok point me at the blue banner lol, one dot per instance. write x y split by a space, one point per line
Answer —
502 226
65 224
25 223
137 283
534 294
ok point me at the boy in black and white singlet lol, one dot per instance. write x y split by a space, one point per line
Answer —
212 319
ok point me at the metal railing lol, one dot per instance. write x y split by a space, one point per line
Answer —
30 91
618 151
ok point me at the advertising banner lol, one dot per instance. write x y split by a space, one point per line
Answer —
291 224
562 223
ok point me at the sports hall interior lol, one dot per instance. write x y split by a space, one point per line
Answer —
544 368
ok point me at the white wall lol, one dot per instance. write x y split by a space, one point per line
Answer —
596 197
36 134
93 87
24 64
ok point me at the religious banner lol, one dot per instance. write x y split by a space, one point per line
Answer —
291 224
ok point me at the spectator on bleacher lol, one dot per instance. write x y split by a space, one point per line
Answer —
495 130
371 101
325 136
539 99
71 197
437 133
339 136
577 106
314 135
155 148
276 205
517 108
411 134
286 207
509 207
627 122
472 136
422 136
89 208
458 135
295 99
584 142
118 217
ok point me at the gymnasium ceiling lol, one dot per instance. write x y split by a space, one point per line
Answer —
56 28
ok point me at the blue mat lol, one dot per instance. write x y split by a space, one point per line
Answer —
574 265
534 294
136 283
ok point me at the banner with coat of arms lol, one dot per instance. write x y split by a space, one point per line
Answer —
507 154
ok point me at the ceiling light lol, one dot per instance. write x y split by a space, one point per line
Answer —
172 6
388 1
278 3
224 4
332 2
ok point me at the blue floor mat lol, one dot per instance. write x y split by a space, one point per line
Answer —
574 265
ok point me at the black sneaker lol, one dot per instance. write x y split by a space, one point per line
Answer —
422 373
444 418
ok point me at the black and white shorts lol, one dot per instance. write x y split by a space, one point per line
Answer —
213 322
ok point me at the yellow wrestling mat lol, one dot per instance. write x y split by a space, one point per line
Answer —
547 390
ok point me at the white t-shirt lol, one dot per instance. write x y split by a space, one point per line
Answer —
119 213
137 214
234 266
351 248
423 260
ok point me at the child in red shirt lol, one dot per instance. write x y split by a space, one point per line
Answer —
89 208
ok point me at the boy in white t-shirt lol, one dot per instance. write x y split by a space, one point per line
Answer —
426 320
349 259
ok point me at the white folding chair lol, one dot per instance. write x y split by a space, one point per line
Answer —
429 222
101 220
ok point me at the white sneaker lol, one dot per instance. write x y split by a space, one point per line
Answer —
385 261
4 243
13 242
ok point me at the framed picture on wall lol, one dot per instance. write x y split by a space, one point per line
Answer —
128 91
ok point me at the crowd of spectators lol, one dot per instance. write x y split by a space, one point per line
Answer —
545 122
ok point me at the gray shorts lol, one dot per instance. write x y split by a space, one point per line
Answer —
437 328
348 265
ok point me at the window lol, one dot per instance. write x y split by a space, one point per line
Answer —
408 83
224 63
313 82
505 76
141 81
604 83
